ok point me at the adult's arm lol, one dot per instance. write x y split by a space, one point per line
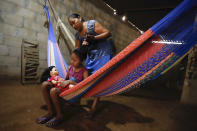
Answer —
67 76
101 31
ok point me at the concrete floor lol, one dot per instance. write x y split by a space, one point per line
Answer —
138 110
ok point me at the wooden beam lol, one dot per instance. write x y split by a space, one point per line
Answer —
150 9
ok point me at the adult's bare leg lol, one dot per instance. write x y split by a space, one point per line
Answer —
94 104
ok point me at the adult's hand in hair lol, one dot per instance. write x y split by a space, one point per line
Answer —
90 38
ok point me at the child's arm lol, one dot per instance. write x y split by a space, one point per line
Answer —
54 82
67 82
67 76
72 82
85 74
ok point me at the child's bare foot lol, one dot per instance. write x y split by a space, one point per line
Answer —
87 109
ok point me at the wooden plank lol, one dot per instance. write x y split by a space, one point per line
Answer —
30 73
30 51
30 64
32 58
31 77
31 69
30 47
30 42
31 55
31 61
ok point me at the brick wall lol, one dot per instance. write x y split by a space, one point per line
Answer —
24 19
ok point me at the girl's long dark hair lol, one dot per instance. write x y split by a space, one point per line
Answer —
75 15
80 53
46 74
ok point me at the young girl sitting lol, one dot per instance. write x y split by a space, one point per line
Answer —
55 85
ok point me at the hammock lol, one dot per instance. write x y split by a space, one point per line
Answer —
55 57
148 57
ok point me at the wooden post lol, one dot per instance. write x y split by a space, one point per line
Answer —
189 92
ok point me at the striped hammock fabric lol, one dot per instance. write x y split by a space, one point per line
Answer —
55 57
144 59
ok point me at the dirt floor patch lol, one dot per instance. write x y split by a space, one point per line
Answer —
140 110
77 119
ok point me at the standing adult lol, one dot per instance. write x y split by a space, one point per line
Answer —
92 37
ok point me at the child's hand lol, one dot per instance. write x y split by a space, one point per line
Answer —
54 82
60 80
71 86
64 83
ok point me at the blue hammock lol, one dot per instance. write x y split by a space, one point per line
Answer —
146 58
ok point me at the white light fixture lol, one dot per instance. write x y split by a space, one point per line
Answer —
124 18
115 11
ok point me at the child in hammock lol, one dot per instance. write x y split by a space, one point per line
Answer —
55 85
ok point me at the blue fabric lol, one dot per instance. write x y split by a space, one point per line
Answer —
73 79
173 15
102 52
51 33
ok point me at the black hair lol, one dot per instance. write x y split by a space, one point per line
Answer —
79 52
75 15
46 74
